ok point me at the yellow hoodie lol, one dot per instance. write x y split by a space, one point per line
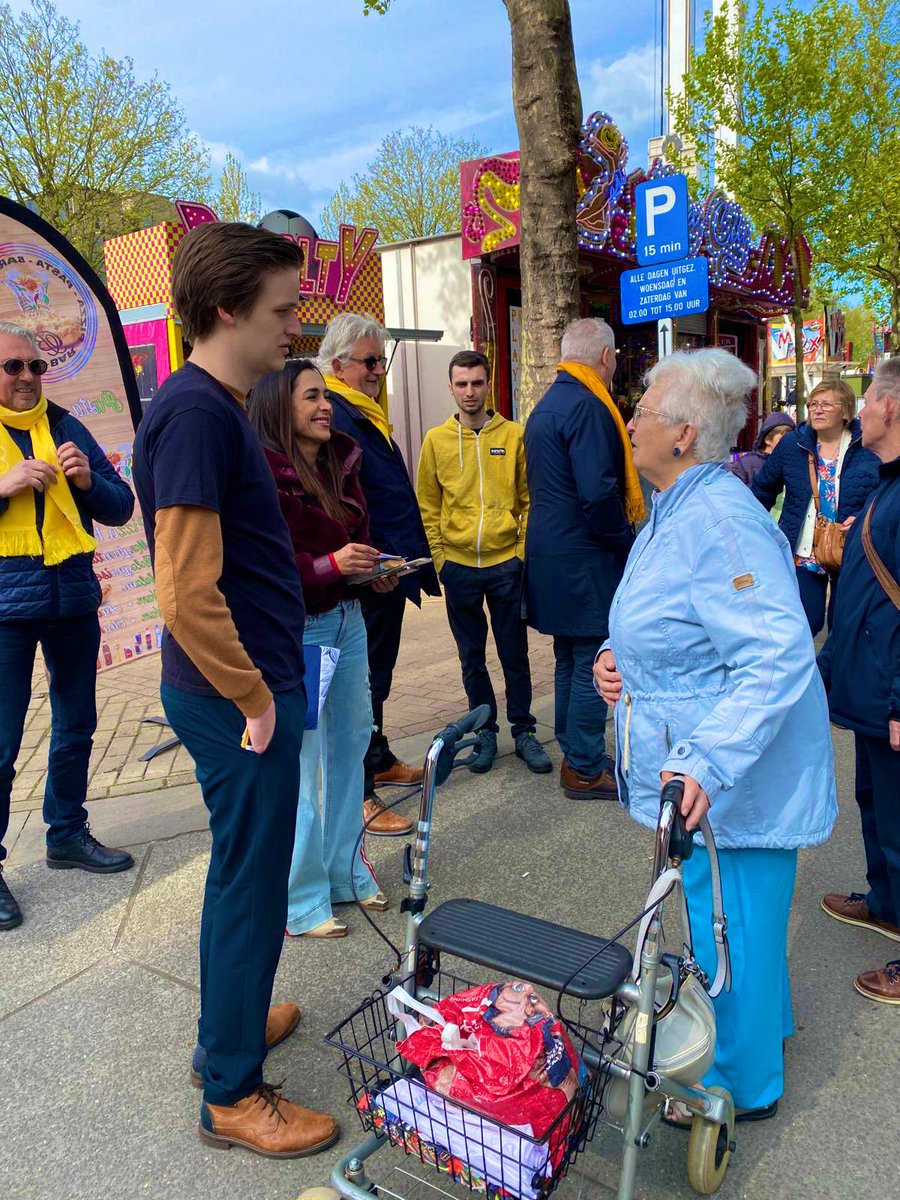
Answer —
473 492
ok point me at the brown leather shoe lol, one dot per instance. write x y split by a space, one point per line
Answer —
579 787
281 1022
853 910
382 821
882 986
400 772
268 1124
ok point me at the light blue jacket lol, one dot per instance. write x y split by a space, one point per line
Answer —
719 677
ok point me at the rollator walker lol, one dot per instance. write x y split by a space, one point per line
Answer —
644 1028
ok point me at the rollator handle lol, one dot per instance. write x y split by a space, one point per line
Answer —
452 738
471 721
681 843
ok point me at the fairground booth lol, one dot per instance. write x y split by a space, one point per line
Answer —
751 280
340 275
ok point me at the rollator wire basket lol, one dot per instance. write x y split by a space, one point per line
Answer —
479 1152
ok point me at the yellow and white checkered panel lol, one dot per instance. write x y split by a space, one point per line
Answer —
139 266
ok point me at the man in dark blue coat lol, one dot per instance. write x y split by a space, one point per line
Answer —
578 538
353 363
55 481
860 664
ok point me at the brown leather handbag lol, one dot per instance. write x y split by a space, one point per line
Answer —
828 536
882 574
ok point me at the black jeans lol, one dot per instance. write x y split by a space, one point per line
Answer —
878 797
466 589
70 647
383 615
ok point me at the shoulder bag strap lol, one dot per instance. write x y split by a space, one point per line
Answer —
814 483
882 574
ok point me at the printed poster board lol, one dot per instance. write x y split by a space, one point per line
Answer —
46 286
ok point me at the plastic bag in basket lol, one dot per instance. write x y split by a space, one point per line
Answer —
500 1050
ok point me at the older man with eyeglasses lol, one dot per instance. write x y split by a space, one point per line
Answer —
353 362
55 481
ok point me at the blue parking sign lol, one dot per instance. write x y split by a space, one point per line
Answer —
661 219
675 289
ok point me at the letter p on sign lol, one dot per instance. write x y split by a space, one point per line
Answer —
658 199
661 219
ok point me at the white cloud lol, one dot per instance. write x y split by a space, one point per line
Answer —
626 89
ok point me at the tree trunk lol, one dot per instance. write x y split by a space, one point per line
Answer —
547 105
800 385
895 318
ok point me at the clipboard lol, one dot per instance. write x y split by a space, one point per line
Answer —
388 572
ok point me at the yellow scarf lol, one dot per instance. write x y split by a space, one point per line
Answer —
63 534
634 497
367 406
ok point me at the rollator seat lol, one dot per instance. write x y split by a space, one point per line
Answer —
523 947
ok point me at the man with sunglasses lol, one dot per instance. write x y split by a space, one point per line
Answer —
55 481
353 362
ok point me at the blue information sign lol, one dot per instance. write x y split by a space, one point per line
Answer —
670 290
661 219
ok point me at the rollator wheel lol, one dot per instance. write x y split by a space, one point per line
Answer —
709 1150
319 1193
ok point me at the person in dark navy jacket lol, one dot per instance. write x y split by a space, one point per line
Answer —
846 472
353 363
585 498
860 664
55 481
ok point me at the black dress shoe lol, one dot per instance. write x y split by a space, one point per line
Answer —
10 913
85 852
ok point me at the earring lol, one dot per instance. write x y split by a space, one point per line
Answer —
676 452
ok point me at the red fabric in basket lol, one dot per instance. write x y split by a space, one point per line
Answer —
525 1070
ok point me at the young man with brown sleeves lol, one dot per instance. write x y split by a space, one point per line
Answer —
232 661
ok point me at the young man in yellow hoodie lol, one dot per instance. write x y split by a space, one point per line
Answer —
473 495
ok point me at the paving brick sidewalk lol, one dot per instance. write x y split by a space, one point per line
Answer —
427 692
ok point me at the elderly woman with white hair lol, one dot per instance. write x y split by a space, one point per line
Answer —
711 667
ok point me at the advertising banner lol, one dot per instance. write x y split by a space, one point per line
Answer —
781 341
47 287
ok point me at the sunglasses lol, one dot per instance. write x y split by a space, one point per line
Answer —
370 361
15 366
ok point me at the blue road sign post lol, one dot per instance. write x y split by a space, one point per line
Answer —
667 283
661 219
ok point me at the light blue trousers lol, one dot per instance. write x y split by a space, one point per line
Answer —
321 866
754 1017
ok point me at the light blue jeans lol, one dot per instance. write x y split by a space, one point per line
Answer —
321 866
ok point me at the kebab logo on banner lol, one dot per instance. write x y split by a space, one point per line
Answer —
47 288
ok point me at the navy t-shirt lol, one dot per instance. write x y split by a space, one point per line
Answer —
195 446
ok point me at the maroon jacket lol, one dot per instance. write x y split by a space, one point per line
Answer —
314 534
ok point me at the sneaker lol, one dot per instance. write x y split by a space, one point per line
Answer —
384 822
532 754
268 1124
485 752
882 986
853 910
87 854
10 913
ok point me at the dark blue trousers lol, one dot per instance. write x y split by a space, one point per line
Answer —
580 712
466 590
878 797
70 648
813 594
252 802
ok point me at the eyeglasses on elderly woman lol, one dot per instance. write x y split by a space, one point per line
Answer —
641 410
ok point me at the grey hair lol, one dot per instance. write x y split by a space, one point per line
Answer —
585 339
343 332
887 376
9 329
708 389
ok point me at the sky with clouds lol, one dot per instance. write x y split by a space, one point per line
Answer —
304 92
